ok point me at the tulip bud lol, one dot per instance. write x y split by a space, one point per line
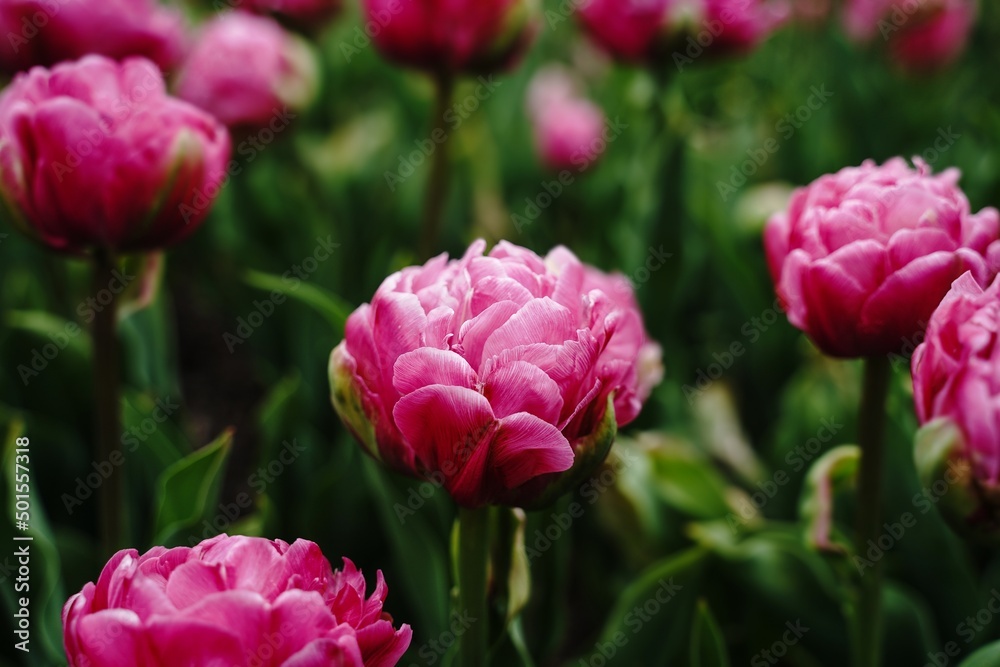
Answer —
95 154
502 378
863 257
231 601
246 71
956 384
47 32
568 129
467 36
924 35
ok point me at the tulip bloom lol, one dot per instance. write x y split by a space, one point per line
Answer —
245 70
956 381
568 128
656 30
94 153
467 36
302 14
922 35
231 601
47 32
863 257
494 375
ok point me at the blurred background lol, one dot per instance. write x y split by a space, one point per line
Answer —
706 493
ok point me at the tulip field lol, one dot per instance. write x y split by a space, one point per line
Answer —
507 333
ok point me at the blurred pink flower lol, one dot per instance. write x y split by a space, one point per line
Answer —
864 256
678 31
492 375
302 14
447 37
246 70
234 601
47 32
921 34
95 153
568 128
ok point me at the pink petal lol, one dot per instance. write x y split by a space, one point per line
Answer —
523 387
428 366
525 447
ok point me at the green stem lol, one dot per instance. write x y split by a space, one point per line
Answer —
871 429
437 185
106 393
473 561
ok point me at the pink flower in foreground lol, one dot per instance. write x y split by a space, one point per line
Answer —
459 36
302 14
864 256
47 32
568 128
500 377
95 153
923 35
233 601
246 70
679 31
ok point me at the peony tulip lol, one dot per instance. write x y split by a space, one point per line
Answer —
94 153
47 32
500 377
246 70
568 128
956 385
679 30
234 601
301 14
467 36
922 35
863 257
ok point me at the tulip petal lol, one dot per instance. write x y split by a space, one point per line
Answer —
429 366
523 387
526 447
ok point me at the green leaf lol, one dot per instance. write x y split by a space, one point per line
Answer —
988 656
51 327
189 488
334 309
708 646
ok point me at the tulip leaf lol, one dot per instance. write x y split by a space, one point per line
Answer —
988 656
833 470
708 646
189 488
333 309
52 328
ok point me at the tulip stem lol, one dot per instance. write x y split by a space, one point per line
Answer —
473 564
871 430
106 394
437 185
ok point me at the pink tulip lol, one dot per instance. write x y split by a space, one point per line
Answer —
95 153
568 129
451 37
233 601
956 378
302 14
863 257
921 34
47 32
494 375
246 70
679 31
